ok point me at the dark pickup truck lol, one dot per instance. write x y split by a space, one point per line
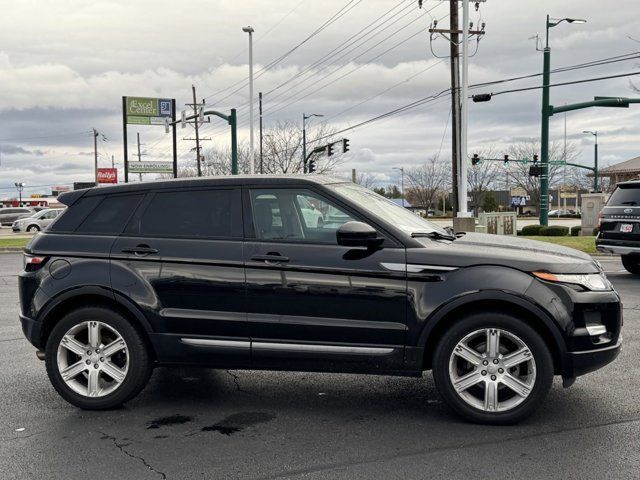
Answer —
620 225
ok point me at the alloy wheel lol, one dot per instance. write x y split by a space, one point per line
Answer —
492 370
93 359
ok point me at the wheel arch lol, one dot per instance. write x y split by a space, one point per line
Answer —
494 301
91 296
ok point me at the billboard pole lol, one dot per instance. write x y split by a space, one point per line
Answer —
124 137
175 146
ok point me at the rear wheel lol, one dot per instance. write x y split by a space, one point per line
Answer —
492 368
96 359
631 263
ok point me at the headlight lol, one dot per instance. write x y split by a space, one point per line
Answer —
596 282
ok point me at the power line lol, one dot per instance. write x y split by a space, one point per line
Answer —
585 80
335 17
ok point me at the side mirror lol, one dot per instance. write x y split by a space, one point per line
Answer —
358 234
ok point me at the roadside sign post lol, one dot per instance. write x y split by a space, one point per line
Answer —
148 111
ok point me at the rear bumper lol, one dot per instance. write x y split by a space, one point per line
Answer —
32 330
619 247
581 363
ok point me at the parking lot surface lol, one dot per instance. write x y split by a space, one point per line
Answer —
218 424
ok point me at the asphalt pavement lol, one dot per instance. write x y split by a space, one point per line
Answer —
218 424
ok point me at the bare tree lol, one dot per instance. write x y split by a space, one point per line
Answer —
519 172
366 179
282 151
425 182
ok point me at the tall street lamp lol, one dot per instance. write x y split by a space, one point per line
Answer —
595 159
305 117
250 31
544 135
401 170
19 187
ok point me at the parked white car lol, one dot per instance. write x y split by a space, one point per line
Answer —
36 222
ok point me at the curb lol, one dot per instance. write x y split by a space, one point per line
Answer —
12 250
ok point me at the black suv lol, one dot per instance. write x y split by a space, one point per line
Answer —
619 230
308 274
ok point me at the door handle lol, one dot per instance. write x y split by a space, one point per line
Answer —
140 250
270 259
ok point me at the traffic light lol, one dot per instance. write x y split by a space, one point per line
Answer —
312 165
345 145
506 159
329 149
475 160
481 97
535 159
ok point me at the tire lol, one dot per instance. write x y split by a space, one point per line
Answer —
66 348
33 228
533 370
631 263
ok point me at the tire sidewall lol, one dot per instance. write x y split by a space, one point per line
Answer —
631 263
541 355
139 363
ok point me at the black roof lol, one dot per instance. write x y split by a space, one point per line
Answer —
263 180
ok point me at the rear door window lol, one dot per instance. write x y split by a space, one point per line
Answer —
75 214
111 215
625 196
214 213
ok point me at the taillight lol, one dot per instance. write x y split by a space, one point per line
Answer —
34 262
599 220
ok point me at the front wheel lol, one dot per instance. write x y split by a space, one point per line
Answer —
492 368
631 263
96 359
33 228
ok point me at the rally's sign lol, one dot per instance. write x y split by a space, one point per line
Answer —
107 175
147 110
151 167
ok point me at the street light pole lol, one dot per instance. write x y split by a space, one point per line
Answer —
305 117
250 31
544 134
595 159
401 169
20 187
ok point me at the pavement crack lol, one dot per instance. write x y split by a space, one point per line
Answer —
235 380
121 447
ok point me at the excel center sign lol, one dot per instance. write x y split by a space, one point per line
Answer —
147 110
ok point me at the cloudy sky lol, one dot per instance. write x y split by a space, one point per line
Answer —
65 65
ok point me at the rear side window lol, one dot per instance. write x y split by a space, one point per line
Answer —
193 214
111 215
625 196
75 214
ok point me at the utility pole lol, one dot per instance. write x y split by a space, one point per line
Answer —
455 100
95 154
139 154
113 162
464 116
260 109
196 124
195 111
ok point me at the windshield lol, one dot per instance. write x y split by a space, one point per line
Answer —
384 208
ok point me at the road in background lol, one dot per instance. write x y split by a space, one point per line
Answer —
198 423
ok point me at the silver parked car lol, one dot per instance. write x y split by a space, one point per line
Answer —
36 222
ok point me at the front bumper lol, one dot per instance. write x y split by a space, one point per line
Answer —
580 363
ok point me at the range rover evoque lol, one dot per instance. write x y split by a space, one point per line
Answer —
243 278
